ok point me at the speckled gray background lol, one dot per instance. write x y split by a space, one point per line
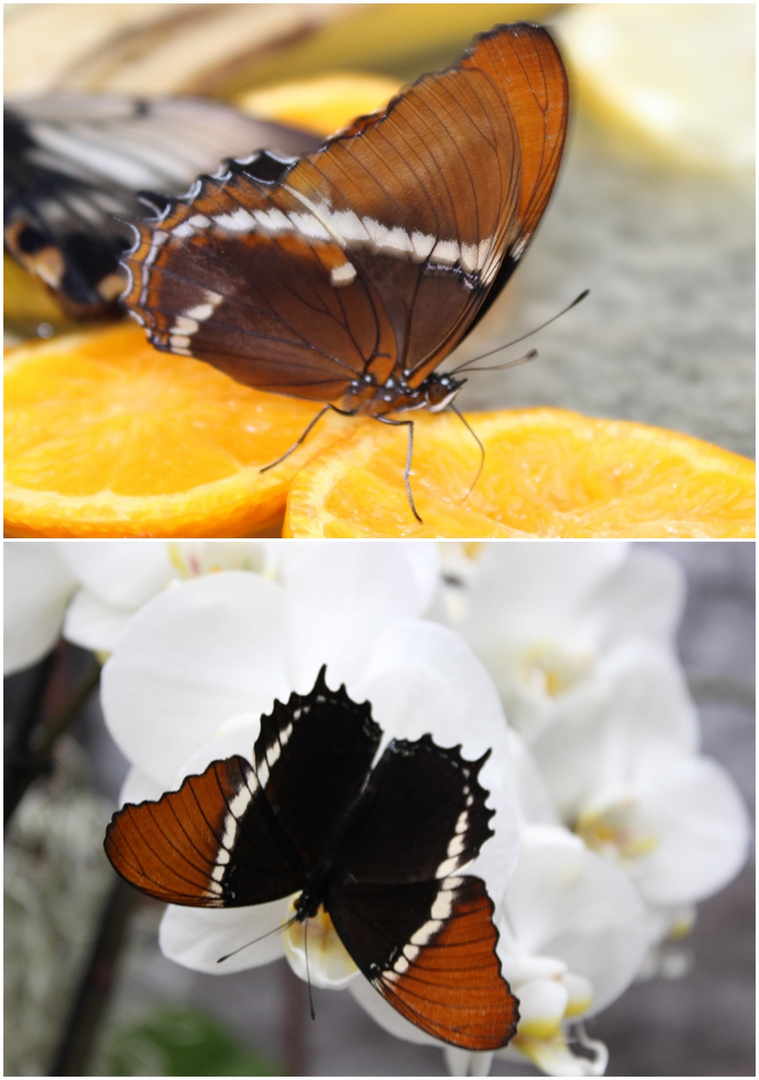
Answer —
703 1024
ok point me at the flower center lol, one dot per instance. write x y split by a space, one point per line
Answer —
616 832
315 952
191 563
550 669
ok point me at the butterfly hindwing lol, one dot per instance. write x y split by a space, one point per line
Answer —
424 815
441 970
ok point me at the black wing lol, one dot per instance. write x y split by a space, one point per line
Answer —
239 834
422 934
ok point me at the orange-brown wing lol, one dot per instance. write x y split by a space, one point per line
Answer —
376 251
205 845
445 977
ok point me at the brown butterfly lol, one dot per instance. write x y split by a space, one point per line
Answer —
349 274
378 843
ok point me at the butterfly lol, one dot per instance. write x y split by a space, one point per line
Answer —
349 274
75 163
379 845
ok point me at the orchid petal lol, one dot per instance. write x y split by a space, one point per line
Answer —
645 597
565 902
199 938
316 954
702 828
125 573
38 585
364 588
466 1063
190 658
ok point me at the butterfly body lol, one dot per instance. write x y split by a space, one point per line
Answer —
377 843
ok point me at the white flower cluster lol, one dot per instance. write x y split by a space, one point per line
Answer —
610 825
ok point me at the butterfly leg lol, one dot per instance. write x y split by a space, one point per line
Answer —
302 438
406 472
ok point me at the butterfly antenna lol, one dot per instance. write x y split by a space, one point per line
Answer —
499 367
276 930
477 439
516 341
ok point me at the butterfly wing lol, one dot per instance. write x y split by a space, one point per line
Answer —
421 933
206 845
239 835
73 161
376 251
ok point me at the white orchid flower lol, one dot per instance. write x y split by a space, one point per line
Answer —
196 667
549 621
38 585
117 578
626 775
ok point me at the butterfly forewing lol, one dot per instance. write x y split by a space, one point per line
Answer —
372 256
184 847
312 758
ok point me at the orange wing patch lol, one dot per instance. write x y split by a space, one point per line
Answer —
451 986
176 849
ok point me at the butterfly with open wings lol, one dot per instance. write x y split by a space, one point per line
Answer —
348 275
378 844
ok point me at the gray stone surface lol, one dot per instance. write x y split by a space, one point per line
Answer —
666 336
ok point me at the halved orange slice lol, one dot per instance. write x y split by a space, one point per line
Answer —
547 472
106 436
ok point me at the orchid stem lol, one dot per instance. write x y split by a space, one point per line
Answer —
30 739
91 994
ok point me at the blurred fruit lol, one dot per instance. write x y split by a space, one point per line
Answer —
150 48
546 472
322 103
679 77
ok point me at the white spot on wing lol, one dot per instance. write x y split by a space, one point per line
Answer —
425 933
239 220
342 275
445 251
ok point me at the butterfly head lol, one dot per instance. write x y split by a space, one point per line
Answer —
440 390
